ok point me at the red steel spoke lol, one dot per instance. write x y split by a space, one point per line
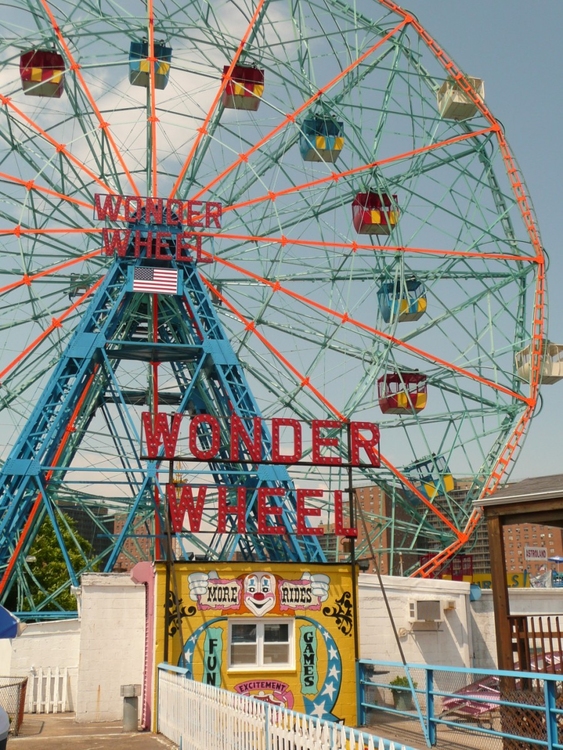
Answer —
55 323
152 118
251 326
75 67
27 279
421 497
59 147
18 230
346 319
203 130
31 185
291 117
337 176
357 246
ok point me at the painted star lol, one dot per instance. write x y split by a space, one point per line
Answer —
326 635
188 654
333 652
329 690
319 710
334 673
192 638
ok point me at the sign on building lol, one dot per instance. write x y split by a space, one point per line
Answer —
536 554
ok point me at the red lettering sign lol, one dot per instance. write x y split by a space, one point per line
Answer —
271 503
247 440
303 512
225 510
181 501
136 210
157 213
266 509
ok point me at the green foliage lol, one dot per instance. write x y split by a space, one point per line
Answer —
401 682
49 570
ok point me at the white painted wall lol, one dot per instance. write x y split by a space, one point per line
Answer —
5 657
111 644
44 645
449 643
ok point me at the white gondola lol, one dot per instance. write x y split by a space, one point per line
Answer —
454 103
551 366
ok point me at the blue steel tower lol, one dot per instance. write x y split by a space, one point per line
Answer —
126 336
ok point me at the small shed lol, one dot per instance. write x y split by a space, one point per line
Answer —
529 642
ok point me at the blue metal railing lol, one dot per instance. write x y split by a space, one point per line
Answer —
530 709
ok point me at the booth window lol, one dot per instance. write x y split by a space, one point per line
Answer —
261 643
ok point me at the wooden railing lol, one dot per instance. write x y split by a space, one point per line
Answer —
537 643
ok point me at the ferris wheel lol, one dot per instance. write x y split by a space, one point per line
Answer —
376 259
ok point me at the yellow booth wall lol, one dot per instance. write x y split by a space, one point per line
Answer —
281 632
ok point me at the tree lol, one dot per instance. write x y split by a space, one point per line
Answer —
48 568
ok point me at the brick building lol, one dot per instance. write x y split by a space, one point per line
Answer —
519 536
138 547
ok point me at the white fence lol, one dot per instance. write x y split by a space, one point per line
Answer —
202 717
47 690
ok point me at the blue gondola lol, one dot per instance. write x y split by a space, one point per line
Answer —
322 139
431 475
139 65
402 301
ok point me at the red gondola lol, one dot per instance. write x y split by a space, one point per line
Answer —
374 213
402 392
244 88
42 73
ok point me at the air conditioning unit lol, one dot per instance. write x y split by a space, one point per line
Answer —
425 610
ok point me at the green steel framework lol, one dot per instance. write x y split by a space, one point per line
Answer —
288 279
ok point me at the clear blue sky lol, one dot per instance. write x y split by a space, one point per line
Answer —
516 47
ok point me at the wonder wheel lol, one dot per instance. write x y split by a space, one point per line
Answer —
376 260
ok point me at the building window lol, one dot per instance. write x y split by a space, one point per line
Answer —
262 644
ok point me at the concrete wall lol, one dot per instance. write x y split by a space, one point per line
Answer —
111 644
447 643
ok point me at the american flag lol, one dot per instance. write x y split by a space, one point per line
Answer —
155 280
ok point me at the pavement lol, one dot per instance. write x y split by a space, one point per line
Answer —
63 732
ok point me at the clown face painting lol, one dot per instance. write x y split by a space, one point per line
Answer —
260 593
